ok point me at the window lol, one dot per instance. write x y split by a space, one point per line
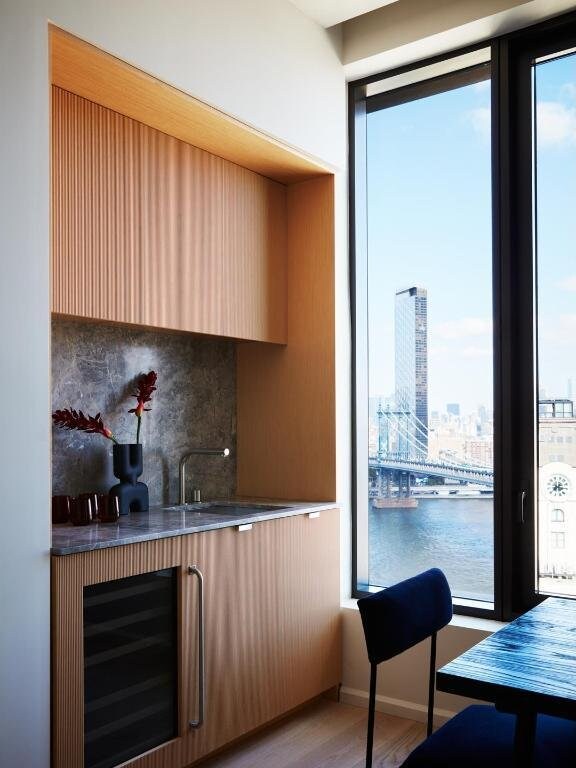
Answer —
554 75
461 314
425 157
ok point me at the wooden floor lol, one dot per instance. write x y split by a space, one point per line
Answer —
324 735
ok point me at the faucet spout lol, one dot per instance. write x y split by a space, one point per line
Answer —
184 461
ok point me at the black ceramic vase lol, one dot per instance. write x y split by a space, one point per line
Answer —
128 465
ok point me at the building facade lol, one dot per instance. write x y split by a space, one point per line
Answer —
556 493
411 369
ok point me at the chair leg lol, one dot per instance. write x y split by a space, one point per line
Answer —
371 708
431 684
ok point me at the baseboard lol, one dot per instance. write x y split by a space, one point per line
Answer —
398 707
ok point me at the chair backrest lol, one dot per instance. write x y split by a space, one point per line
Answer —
401 616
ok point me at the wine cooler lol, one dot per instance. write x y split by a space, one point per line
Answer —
130 666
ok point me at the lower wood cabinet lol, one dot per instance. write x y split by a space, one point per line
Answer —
219 633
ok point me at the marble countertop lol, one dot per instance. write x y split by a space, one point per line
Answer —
162 522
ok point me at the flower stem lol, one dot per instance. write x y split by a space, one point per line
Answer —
138 430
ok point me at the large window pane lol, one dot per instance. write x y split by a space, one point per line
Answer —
430 335
555 109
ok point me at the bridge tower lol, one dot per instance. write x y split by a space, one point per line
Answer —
380 414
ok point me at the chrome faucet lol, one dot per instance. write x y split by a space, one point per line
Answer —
184 459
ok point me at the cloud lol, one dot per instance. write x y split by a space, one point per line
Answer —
438 352
480 121
476 352
555 123
460 329
569 90
557 331
567 283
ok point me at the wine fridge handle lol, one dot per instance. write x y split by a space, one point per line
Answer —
195 571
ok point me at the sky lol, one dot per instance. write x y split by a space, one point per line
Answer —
429 224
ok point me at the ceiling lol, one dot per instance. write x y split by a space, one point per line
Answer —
330 12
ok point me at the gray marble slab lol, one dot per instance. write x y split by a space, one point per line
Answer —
93 369
162 522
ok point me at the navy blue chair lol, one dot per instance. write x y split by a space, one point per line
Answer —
398 618
401 616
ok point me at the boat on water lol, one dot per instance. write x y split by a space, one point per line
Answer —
394 502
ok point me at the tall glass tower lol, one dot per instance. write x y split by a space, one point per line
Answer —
411 368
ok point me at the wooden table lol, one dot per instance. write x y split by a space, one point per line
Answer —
528 667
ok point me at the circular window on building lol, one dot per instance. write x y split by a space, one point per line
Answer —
558 486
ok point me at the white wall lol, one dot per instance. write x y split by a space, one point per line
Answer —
402 687
259 60
24 446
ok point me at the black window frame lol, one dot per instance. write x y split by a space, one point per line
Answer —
513 270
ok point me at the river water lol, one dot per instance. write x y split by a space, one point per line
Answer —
455 535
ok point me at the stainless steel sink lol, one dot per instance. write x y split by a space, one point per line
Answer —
226 508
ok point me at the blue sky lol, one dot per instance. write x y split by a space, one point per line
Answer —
429 224
556 179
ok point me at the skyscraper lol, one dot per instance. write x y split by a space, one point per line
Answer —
411 370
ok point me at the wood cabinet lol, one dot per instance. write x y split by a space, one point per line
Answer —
152 231
272 622
271 629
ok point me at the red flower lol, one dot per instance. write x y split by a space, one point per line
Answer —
145 386
68 418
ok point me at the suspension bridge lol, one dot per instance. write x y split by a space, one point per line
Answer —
403 454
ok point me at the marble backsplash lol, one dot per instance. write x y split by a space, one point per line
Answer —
93 368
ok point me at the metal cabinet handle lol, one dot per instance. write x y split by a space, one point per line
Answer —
193 570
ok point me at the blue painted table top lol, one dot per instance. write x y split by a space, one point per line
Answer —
529 665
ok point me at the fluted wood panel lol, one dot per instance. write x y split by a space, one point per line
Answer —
81 68
272 622
309 643
150 230
70 574
286 396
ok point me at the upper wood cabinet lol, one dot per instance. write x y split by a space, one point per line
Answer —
150 230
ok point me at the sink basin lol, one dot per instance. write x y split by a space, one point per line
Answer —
225 508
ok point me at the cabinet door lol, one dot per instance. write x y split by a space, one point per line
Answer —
117 656
149 230
272 634
238 570
307 565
